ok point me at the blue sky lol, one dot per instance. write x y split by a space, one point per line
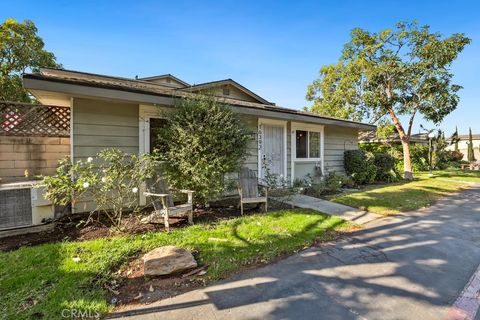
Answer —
275 48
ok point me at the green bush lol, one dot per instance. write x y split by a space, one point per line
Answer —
333 181
348 182
385 164
112 180
360 166
202 142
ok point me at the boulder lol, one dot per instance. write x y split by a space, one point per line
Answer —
167 260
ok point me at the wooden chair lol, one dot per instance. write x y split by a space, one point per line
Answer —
163 204
248 189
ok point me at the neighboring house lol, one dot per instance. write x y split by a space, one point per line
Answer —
119 112
371 137
463 145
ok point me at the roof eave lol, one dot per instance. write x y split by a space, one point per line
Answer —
39 82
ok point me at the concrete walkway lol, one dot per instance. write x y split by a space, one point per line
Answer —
328 207
414 266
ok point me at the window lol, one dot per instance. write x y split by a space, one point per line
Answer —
226 91
302 144
308 144
156 124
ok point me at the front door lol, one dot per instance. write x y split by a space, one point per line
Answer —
272 151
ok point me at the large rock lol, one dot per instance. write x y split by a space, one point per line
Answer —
167 260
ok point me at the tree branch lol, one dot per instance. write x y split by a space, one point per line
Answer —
410 123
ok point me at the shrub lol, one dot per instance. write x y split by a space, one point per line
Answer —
202 142
316 189
333 181
348 182
456 156
111 180
360 166
419 157
385 164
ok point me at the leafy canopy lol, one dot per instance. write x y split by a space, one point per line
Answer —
401 71
201 143
21 50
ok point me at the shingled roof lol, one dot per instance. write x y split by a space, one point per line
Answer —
92 80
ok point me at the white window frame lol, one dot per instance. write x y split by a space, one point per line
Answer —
145 113
293 144
262 121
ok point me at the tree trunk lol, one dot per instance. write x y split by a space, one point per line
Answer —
407 164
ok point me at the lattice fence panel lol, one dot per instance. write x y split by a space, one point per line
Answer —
34 120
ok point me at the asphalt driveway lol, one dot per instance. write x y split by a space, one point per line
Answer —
413 266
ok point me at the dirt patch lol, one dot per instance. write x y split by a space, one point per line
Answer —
72 227
131 288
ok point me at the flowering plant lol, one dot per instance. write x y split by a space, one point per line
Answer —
111 180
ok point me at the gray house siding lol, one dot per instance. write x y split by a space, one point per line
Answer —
100 124
97 125
336 141
251 158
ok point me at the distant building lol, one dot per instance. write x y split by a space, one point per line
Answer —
371 137
463 146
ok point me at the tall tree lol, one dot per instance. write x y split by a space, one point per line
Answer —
471 150
403 71
21 50
456 138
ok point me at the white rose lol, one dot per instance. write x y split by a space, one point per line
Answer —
89 159
135 190
86 185
104 179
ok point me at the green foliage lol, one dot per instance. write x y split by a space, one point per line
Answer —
330 183
471 151
112 180
21 50
275 181
404 69
455 139
419 157
395 72
385 164
333 181
203 141
47 274
62 188
360 166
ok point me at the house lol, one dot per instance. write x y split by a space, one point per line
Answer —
118 112
463 145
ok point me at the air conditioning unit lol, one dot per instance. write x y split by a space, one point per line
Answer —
22 204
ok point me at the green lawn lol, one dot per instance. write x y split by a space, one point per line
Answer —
40 281
406 196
